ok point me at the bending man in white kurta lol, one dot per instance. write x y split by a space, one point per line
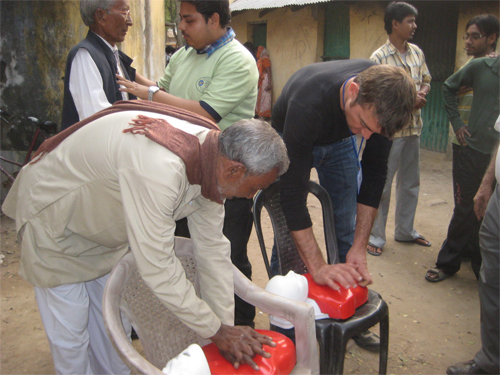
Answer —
79 207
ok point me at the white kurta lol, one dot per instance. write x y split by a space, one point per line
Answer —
100 191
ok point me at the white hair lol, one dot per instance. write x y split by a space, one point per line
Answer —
88 8
256 145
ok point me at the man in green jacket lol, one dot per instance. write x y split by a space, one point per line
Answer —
470 160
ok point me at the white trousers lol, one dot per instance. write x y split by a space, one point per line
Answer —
72 317
404 162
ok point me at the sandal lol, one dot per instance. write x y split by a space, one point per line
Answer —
374 250
420 240
440 275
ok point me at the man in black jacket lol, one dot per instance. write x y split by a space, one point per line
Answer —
91 67
320 108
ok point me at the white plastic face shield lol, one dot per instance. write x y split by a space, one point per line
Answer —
292 286
295 287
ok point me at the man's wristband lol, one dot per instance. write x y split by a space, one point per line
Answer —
151 92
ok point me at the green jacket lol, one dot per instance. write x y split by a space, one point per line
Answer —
483 76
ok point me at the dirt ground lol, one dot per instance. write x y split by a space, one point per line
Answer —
431 325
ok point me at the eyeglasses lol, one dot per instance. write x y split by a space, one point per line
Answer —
124 13
473 36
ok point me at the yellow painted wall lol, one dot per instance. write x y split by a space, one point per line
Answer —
469 10
367 28
292 40
145 42
291 35
295 39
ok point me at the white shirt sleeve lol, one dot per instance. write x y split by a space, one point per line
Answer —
86 86
149 204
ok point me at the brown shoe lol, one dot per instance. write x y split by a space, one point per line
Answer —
465 368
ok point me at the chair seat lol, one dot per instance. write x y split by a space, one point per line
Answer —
282 359
365 317
338 304
333 334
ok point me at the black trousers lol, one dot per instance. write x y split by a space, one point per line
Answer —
238 223
469 167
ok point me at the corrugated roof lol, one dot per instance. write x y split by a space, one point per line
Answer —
263 4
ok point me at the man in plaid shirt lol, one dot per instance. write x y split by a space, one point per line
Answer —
404 158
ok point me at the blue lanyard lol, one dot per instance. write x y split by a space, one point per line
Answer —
356 152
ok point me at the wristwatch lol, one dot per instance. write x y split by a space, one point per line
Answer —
151 92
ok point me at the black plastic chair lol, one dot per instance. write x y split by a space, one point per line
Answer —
332 334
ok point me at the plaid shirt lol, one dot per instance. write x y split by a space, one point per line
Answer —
211 48
415 66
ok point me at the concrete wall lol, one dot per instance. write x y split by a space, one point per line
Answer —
36 36
292 39
145 42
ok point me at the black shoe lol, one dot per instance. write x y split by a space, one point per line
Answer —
464 368
368 340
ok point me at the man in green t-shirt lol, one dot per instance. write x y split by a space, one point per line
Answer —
214 76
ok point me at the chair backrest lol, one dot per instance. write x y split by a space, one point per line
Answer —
289 258
163 336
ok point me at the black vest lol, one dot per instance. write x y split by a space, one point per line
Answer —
106 63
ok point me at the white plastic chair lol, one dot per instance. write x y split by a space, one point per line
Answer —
163 336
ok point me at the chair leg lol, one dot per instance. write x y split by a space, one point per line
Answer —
339 348
384 344
325 350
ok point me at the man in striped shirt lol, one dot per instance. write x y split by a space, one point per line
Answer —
404 157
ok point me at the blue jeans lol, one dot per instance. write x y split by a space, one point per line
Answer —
337 171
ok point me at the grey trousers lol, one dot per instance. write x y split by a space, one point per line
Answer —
488 356
405 160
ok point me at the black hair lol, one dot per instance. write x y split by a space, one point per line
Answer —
487 25
208 7
250 46
397 10
170 49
